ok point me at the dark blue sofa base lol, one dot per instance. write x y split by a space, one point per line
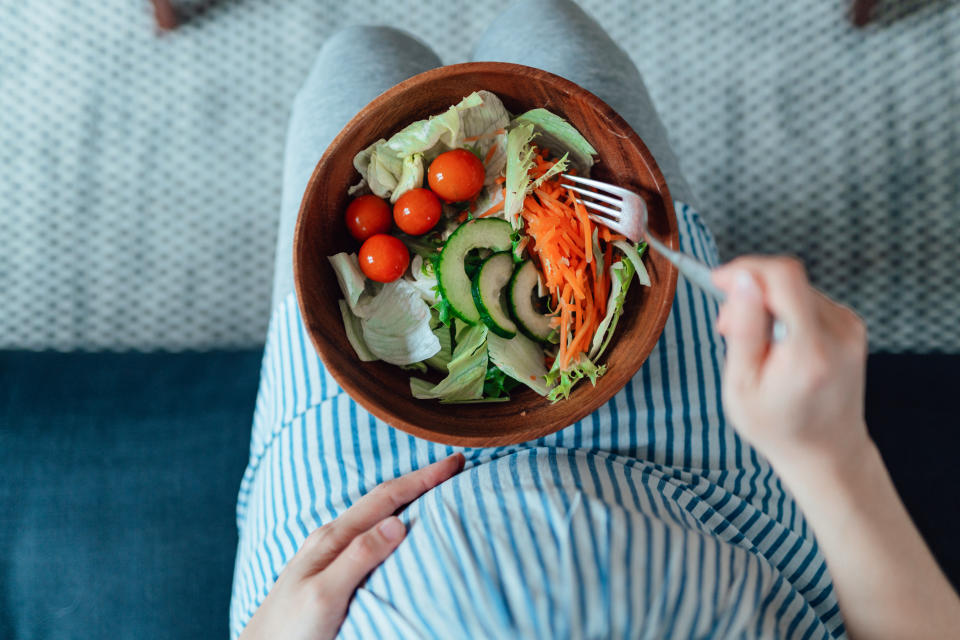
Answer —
119 474
118 484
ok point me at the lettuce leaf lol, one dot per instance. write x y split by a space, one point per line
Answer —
411 176
423 278
391 167
349 276
484 117
558 167
379 169
396 324
489 196
440 132
621 274
441 359
519 162
497 384
495 161
351 325
521 359
634 253
565 380
558 135
467 369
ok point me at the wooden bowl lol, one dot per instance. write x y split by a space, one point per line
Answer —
384 389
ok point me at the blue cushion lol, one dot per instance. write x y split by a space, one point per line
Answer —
119 474
118 483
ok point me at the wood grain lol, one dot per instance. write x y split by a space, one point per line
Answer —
384 389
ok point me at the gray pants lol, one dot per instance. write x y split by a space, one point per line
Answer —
359 63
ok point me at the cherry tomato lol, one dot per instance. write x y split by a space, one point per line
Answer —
417 211
456 175
383 258
366 216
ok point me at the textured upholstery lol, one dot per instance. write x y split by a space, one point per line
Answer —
140 174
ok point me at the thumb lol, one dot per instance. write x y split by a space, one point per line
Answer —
744 322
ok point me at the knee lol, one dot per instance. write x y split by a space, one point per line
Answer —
363 37
360 44
368 51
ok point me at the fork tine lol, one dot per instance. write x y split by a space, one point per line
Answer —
613 213
613 225
598 196
596 184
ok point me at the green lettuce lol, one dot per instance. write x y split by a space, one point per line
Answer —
634 253
435 134
497 384
489 196
484 117
380 169
466 370
351 324
521 359
558 135
621 274
423 279
558 167
352 281
411 176
519 162
396 324
441 360
391 167
565 380
394 319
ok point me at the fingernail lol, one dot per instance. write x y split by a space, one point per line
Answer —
392 529
746 285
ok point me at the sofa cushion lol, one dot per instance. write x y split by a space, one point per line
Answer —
118 483
119 475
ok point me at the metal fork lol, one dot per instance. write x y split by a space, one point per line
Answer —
624 212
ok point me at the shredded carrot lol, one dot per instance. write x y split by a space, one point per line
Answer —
576 279
493 150
608 236
471 139
500 180
587 231
492 210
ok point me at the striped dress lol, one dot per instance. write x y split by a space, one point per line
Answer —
648 519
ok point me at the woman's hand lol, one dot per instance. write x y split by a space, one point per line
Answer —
800 403
802 397
310 598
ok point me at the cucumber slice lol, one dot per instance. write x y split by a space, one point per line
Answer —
494 274
455 286
530 322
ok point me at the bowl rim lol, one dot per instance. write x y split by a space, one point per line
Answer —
323 344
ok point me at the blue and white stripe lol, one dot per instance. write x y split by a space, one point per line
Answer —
649 518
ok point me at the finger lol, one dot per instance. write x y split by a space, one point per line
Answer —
364 553
787 293
745 324
325 543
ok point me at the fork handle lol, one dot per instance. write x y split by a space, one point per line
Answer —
695 271
700 274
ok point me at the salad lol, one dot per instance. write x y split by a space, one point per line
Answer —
475 262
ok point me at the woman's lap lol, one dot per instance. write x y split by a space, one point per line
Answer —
314 451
